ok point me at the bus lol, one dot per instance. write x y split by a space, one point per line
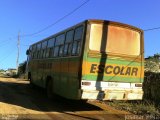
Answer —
95 59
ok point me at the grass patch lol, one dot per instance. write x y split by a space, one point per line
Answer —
136 107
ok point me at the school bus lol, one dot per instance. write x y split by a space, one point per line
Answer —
95 59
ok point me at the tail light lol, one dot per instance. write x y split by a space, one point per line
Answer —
86 83
138 85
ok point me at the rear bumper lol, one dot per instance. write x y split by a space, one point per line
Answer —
113 95
104 92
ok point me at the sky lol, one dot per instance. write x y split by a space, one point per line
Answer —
27 17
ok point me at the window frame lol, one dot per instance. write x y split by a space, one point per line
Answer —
50 49
77 41
43 49
59 42
69 43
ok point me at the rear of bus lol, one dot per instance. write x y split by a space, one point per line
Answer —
112 67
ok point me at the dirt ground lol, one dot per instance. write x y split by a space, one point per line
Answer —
18 100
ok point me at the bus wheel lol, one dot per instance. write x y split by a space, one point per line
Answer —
49 88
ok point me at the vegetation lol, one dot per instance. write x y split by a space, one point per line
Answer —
1 70
21 69
136 107
152 63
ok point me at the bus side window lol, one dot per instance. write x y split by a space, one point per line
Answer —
47 53
44 47
68 43
65 49
74 49
77 40
55 53
32 54
38 54
78 33
69 48
59 45
78 47
61 50
34 51
44 53
39 45
50 47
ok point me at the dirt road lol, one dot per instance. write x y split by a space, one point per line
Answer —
18 100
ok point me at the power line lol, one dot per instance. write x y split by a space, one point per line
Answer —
6 41
150 29
60 19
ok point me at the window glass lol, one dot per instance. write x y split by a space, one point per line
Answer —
41 54
51 42
61 51
95 37
44 44
38 54
56 49
129 41
47 53
69 36
114 39
30 48
74 49
78 47
34 47
51 52
78 33
32 54
44 53
60 39
69 48
30 51
38 46
65 49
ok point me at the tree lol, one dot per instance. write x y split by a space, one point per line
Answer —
1 70
152 63
22 68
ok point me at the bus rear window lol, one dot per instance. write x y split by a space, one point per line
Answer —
114 39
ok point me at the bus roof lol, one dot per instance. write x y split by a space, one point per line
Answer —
92 21
114 22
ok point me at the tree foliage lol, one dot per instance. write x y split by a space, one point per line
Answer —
152 63
22 68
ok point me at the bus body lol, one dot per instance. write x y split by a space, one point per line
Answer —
95 59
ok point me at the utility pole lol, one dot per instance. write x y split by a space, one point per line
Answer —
18 48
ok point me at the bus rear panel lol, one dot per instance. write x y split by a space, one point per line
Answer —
113 62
